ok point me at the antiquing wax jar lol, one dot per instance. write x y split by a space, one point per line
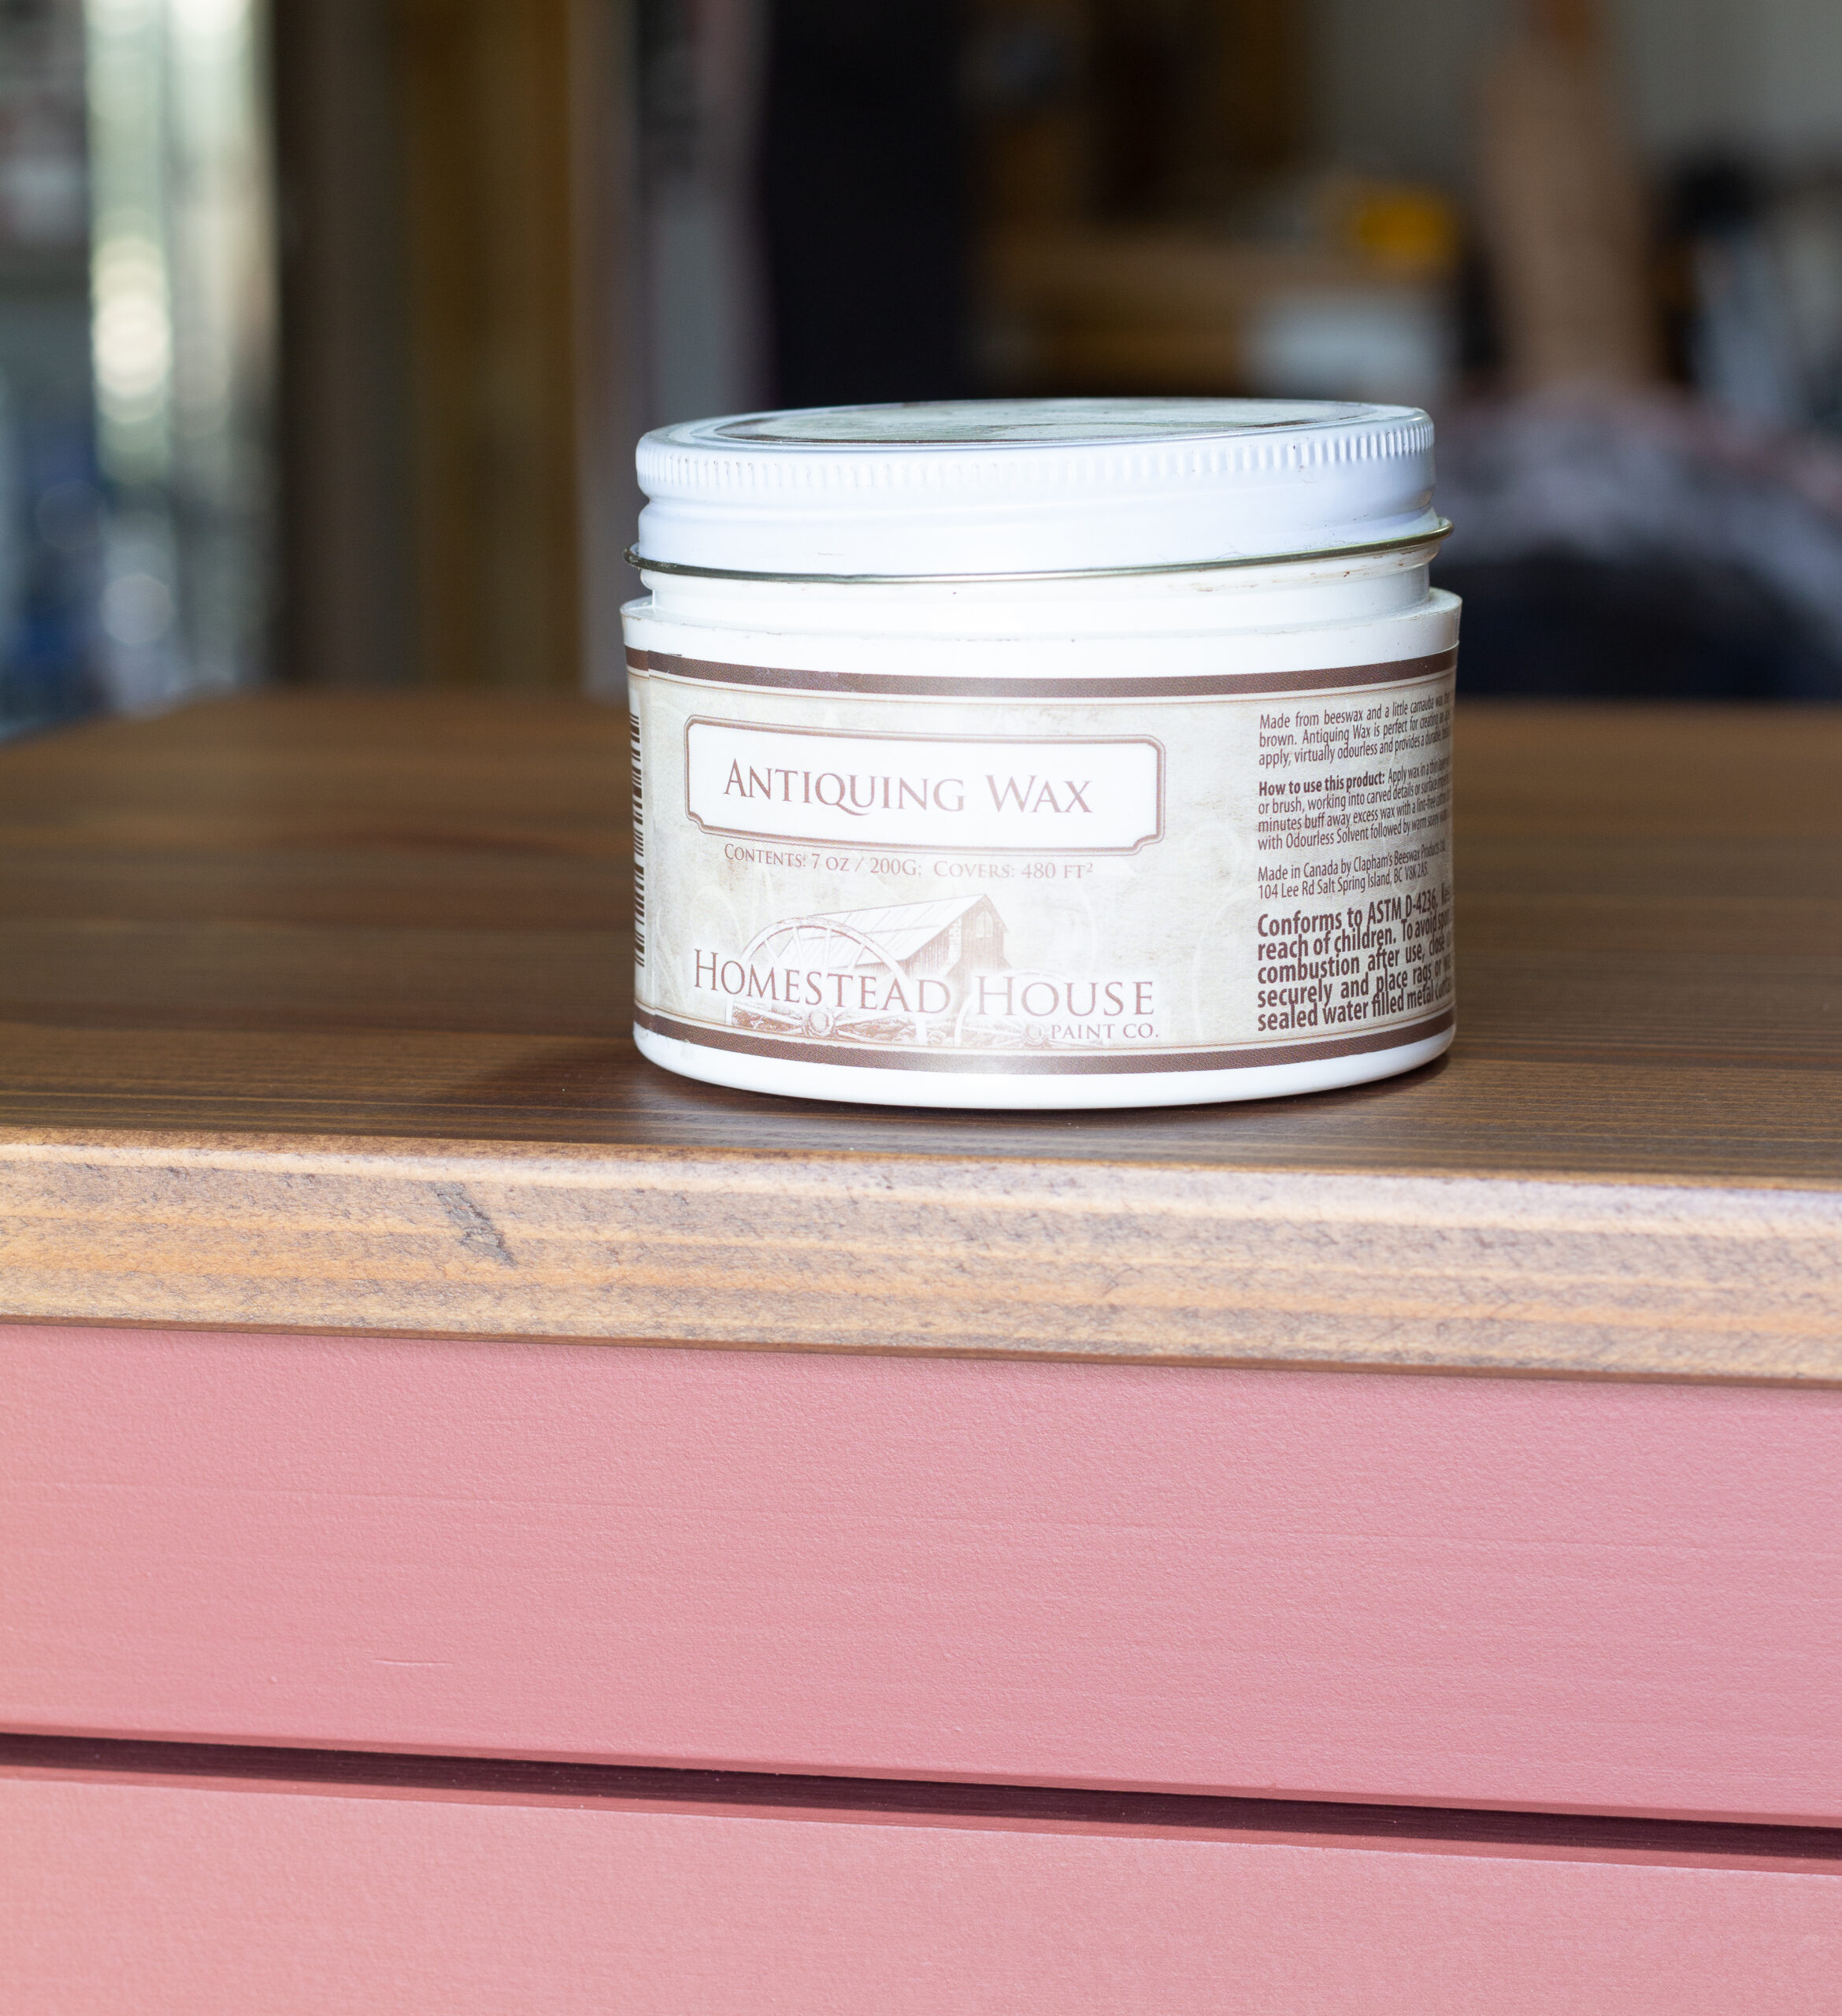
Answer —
1042 752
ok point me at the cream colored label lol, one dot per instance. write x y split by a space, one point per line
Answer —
1090 876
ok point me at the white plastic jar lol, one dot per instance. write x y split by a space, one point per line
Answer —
1043 753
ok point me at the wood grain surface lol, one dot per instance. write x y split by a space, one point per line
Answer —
314 1009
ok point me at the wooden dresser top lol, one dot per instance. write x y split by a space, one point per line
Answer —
313 1011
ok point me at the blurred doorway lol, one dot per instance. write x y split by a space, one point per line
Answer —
454 310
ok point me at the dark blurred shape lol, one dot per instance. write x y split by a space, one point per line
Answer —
863 190
1712 193
1479 326
1557 626
48 672
696 199
1641 546
1192 101
1146 64
50 542
347 585
1758 260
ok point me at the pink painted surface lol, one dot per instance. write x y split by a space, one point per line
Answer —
157 1900
1468 1591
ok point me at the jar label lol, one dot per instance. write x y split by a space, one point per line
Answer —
1033 875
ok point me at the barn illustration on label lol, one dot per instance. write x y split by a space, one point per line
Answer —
918 975
898 974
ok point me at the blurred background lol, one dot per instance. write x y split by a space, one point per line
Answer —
326 326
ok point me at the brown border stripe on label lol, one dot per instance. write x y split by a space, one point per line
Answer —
1211 686
1013 1065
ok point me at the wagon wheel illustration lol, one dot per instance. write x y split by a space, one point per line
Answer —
827 945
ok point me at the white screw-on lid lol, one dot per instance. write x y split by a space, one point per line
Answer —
1025 486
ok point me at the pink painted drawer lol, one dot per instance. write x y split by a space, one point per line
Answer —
132 1895
1476 1592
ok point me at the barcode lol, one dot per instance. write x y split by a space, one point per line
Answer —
638 846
